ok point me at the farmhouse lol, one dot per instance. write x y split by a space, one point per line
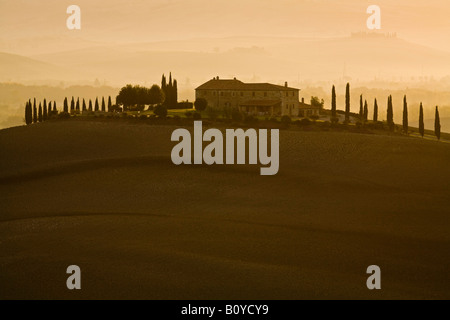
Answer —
253 98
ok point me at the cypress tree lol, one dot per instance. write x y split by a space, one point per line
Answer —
84 105
164 89
366 111
40 113
437 124
49 110
66 106
347 103
96 104
90 105
170 92
72 105
44 115
54 108
28 113
375 111
405 115
390 114
109 104
175 92
103 104
333 103
361 110
34 111
421 124
78 105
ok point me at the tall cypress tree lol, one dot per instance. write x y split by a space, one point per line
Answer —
164 89
361 110
170 92
333 103
347 103
54 108
366 111
84 105
390 114
66 106
437 124
72 105
421 124
40 113
175 92
103 104
34 111
44 115
96 104
405 115
375 111
90 105
109 104
28 113
78 105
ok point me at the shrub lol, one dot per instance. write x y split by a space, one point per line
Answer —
334 120
304 122
160 111
286 119
314 117
200 104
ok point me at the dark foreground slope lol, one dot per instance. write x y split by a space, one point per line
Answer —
106 197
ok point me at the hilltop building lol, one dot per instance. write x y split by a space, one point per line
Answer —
253 98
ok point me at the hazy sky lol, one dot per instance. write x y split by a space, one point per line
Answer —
118 21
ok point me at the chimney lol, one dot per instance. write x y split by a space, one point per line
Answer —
285 84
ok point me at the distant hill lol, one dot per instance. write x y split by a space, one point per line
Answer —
16 68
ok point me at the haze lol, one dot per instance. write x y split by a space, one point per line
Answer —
305 42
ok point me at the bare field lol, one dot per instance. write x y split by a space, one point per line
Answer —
106 196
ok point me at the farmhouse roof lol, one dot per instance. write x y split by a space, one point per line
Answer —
234 84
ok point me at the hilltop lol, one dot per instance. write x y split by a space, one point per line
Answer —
106 196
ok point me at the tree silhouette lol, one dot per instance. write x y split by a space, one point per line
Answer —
437 124
66 106
84 105
375 110
78 105
333 103
405 115
90 105
72 105
103 104
40 113
361 110
347 103
421 124
109 104
366 111
175 92
390 114
200 104
28 113
54 108
44 115
35 116
96 104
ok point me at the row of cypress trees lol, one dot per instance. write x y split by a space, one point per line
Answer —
364 111
34 113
